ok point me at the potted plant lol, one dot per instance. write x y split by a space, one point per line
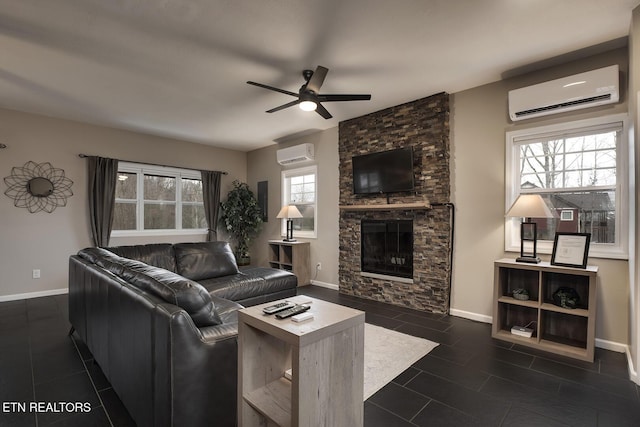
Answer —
242 218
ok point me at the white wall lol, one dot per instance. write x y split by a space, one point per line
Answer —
634 266
262 166
43 240
479 120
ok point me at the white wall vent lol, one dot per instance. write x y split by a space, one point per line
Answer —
597 87
295 154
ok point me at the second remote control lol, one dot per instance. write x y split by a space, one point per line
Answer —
278 307
292 311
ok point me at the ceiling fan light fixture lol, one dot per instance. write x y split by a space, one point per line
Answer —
309 97
308 106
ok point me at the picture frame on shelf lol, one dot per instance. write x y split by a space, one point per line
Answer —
571 249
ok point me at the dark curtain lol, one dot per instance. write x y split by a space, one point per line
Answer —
103 176
211 197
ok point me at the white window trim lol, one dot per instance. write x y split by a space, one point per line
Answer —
566 215
285 190
141 169
619 250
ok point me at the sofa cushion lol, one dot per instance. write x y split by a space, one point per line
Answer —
235 287
155 254
175 289
204 260
227 309
170 287
250 282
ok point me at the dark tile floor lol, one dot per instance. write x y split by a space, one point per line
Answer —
469 380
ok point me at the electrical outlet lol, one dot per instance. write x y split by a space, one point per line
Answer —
319 266
36 274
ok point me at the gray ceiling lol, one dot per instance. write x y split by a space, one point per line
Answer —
178 68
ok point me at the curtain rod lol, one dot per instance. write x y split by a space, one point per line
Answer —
154 164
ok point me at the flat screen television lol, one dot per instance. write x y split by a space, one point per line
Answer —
383 172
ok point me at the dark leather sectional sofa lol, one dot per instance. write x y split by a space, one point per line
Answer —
161 322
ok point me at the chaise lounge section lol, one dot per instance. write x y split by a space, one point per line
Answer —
161 322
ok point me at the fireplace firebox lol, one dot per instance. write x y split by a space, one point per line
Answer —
387 247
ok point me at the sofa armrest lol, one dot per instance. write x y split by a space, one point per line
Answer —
192 362
212 334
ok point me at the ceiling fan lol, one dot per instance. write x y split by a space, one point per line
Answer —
309 96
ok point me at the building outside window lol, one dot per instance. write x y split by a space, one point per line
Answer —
158 200
580 170
299 188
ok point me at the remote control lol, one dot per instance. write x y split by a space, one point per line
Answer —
277 307
292 311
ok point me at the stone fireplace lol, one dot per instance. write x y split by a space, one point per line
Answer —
415 274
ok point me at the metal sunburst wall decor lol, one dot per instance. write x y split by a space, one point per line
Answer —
38 187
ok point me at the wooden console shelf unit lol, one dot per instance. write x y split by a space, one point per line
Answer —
565 331
293 257
387 207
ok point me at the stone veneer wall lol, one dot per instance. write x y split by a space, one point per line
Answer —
423 125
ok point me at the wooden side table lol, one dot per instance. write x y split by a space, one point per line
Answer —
291 256
326 358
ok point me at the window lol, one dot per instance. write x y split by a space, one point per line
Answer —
299 188
157 200
579 169
566 215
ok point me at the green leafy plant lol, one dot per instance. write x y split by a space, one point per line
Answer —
241 217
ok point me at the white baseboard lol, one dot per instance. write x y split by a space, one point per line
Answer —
600 343
633 374
325 285
471 316
613 346
4 298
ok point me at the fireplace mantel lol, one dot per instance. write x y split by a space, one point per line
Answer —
387 207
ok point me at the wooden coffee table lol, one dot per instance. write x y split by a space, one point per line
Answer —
326 358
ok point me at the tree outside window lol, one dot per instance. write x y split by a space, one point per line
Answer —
300 189
158 199
578 169
574 174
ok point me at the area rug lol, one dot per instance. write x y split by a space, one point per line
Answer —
387 354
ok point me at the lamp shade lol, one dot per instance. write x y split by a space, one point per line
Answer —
529 206
289 211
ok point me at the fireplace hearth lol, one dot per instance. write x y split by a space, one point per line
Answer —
387 247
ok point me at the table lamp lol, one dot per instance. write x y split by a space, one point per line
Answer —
529 206
289 212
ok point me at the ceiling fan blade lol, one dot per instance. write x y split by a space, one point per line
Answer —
323 111
286 92
337 98
317 78
282 107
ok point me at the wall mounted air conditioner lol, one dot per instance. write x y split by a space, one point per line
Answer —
584 90
295 154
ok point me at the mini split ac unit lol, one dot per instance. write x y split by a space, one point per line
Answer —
295 154
584 90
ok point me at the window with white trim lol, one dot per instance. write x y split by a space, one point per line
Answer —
580 170
299 188
158 200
